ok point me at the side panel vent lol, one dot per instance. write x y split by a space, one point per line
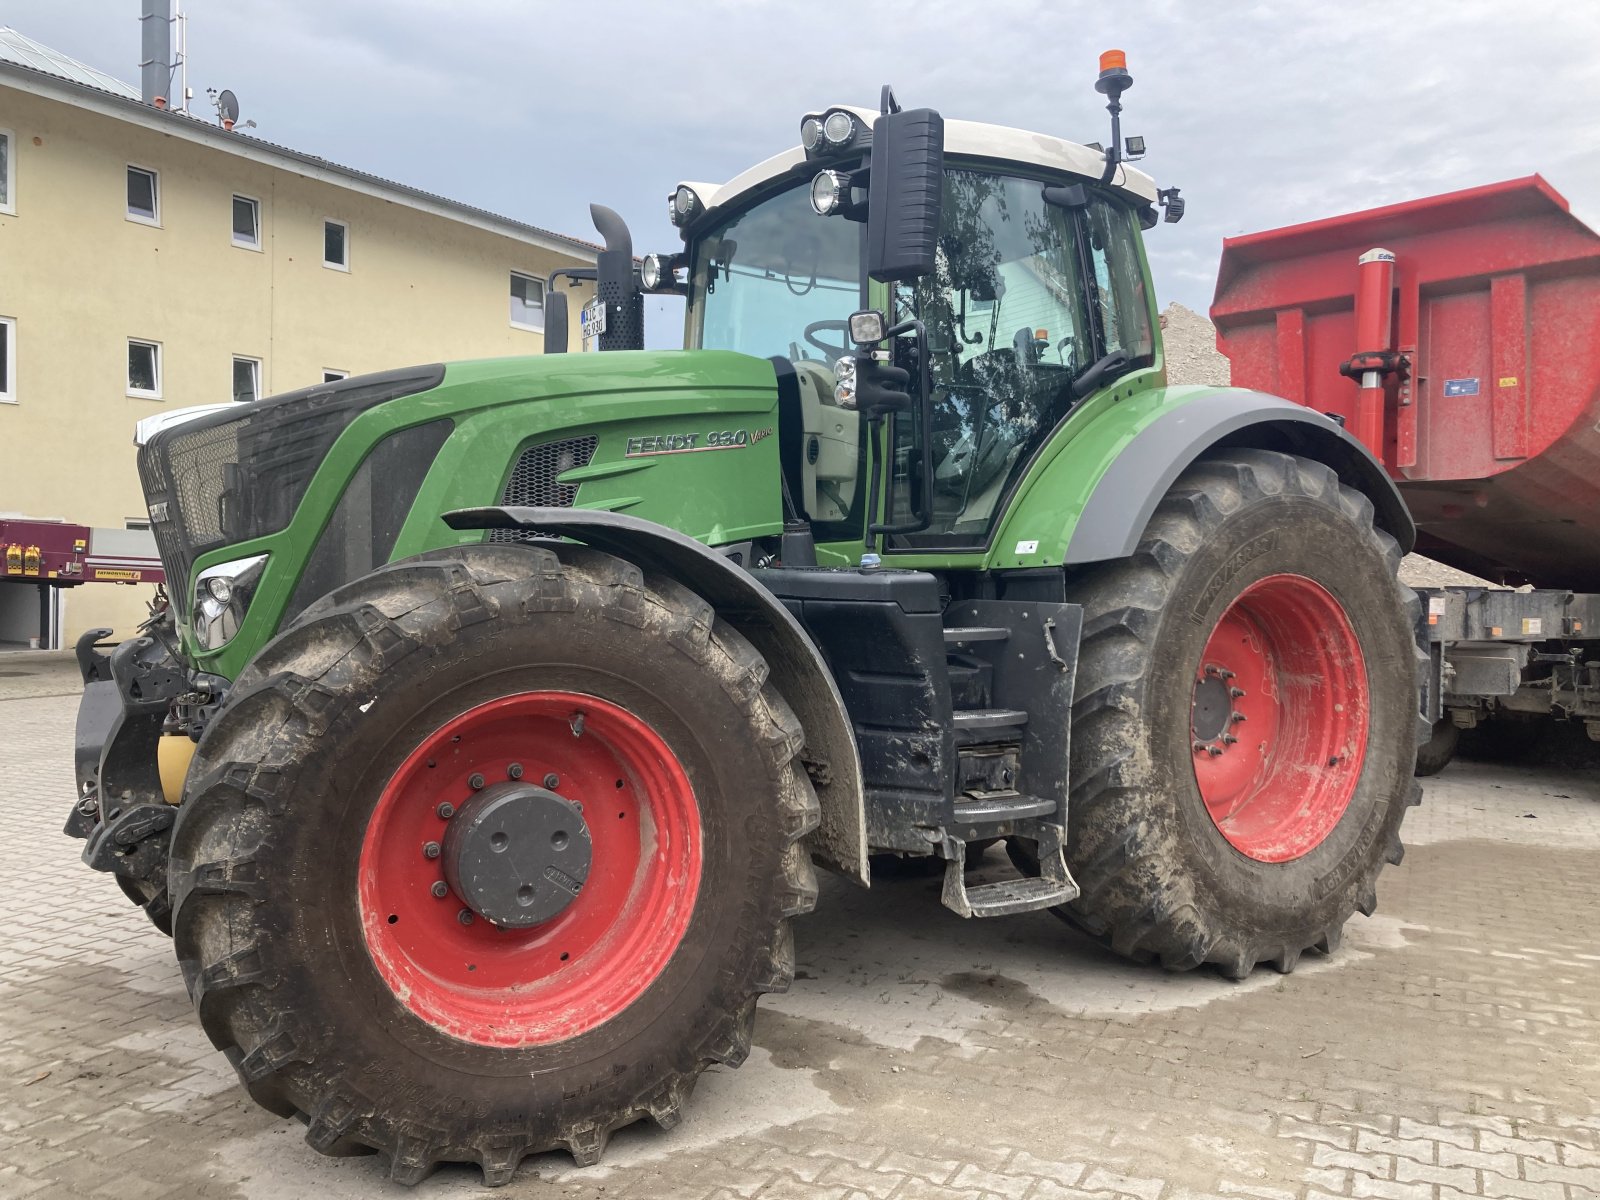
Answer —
533 480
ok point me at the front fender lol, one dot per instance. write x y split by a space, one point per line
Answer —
1124 499
798 668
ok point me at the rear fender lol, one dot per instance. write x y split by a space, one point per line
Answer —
798 669
1122 503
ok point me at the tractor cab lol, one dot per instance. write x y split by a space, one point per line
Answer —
1020 288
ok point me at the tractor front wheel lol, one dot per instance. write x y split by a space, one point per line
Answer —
491 853
1244 723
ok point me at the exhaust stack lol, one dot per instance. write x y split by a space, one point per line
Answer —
155 60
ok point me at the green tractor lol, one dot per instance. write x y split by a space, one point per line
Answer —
502 709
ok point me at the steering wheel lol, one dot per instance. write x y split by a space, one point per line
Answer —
832 351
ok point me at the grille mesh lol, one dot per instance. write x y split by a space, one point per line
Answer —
533 480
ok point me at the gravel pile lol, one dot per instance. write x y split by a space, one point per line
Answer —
1192 357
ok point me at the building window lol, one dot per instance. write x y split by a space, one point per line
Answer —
136 523
333 375
336 245
144 369
527 302
8 175
8 361
144 196
246 379
247 222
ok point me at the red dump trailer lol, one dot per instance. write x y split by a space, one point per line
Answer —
1459 337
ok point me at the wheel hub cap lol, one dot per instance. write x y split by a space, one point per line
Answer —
517 854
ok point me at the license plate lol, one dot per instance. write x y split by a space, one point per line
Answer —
592 319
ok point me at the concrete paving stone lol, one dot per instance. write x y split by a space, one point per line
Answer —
1452 1044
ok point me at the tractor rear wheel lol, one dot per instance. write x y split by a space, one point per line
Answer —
1244 723
491 853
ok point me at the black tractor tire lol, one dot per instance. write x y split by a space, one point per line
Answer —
1158 878
151 898
266 853
1435 754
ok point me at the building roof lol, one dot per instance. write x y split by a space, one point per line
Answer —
38 69
17 47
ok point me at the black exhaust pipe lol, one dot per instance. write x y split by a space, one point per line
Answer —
617 286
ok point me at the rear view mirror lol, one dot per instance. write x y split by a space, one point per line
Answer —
905 194
555 322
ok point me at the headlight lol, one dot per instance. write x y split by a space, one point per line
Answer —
222 596
838 127
844 381
810 133
650 272
828 191
683 204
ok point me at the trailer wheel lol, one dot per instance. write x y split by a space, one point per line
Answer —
1435 754
1244 724
491 853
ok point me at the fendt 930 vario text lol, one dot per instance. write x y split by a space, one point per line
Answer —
503 708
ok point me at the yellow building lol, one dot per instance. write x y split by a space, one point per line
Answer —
150 260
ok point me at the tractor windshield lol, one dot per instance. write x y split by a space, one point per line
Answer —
776 279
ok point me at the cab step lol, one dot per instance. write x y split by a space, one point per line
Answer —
968 719
1052 886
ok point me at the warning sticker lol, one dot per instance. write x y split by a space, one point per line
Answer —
1532 626
1461 387
1436 607
1508 381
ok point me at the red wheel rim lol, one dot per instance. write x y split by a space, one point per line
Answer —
1279 717
525 987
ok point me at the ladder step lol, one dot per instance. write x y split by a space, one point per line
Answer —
965 635
989 718
1010 896
994 807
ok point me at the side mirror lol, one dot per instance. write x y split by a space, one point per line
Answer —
905 194
555 321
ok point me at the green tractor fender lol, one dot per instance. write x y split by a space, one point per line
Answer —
1114 504
798 669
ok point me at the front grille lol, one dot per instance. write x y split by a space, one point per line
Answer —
533 481
240 474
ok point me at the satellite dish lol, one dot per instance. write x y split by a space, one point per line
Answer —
228 106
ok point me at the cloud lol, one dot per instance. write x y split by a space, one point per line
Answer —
1265 114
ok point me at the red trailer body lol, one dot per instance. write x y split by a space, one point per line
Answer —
1485 401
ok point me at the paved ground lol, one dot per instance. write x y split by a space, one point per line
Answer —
1451 1049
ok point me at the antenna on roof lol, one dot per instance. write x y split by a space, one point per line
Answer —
227 106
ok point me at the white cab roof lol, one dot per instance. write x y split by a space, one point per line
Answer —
962 139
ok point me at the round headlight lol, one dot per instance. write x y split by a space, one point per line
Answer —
810 132
683 200
221 588
650 272
827 192
838 128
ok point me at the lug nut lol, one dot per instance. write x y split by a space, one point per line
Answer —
430 850
1212 669
514 771
1213 750
1236 692
440 888
1237 717
552 781
1225 673
465 916
1199 747
475 781
1228 739
446 811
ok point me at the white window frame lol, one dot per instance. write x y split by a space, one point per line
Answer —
333 374
8 206
255 366
233 233
155 194
141 393
334 266
544 294
8 381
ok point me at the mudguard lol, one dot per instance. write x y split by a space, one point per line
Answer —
798 668
1126 496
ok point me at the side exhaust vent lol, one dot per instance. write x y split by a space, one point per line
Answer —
533 480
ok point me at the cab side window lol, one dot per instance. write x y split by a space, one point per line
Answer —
1120 307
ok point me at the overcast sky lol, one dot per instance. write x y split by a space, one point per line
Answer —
1264 113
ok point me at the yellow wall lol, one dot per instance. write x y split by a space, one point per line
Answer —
80 279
